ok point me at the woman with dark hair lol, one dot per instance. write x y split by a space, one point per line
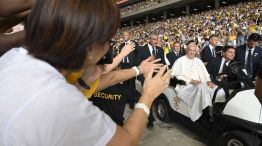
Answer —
39 106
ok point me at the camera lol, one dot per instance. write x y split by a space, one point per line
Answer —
107 58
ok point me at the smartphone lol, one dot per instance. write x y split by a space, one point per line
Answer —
107 58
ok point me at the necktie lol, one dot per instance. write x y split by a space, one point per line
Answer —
125 59
249 64
224 66
154 52
213 53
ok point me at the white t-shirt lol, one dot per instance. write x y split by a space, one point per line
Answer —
39 108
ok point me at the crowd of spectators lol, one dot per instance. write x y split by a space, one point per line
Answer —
138 6
232 24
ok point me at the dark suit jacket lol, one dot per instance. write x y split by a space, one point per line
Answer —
214 66
130 84
257 57
131 56
206 55
144 52
172 57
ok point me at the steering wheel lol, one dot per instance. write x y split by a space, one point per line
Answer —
235 67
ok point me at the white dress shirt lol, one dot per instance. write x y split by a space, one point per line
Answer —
222 65
151 49
177 53
127 59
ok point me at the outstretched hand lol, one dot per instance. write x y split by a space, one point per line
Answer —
154 86
149 64
127 49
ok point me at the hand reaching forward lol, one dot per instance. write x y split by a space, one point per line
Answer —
127 49
149 64
154 86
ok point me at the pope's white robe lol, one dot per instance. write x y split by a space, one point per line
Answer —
197 97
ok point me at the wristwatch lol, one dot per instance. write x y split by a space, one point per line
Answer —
83 84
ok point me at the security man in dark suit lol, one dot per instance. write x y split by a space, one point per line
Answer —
174 54
211 51
250 55
129 62
218 67
150 49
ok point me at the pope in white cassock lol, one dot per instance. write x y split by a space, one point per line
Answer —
199 89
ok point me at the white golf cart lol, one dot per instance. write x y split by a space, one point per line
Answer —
238 120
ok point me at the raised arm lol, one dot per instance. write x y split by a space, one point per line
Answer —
8 22
91 74
131 132
12 7
8 41
117 76
124 52
11 40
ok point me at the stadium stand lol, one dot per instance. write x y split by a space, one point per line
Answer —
232 23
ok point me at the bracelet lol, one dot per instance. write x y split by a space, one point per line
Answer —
137 70
83 84
144 107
